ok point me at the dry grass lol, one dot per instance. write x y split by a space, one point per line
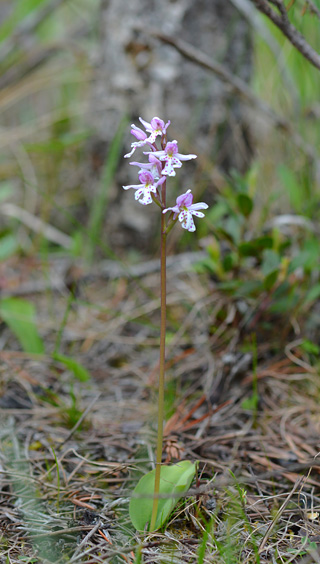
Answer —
70 452
65 486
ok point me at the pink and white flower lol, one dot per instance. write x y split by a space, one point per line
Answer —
142 139
155 127
148 185
171 157
186 209
154 166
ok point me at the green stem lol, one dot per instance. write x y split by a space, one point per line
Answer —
161 364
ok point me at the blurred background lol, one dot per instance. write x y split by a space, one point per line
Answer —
79 265
76 74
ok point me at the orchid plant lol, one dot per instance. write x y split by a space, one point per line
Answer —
152 188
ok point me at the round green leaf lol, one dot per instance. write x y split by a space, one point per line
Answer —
175 481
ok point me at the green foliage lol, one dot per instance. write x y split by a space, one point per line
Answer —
9 246
250 262
71 413
21 9
69 409
19 315
175 481
229 546
265 266
310 347
203 545
79 372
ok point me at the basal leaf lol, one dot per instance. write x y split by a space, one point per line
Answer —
175 481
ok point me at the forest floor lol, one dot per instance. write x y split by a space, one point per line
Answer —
241 399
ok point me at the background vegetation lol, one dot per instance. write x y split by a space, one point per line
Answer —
254 290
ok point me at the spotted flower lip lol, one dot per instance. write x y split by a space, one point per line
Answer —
171 157
154 166
155 127
148 185
185 209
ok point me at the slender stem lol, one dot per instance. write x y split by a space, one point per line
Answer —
161 364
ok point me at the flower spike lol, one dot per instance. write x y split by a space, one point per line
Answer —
155 127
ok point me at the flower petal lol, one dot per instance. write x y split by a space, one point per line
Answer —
199 206
161 155
186 219
183 218
157 123
175 209
128 155
145 124
146 198
185 157
166 126
134 146
168 169
152 137
160 181
145 166
185 200
146 177
192 226
135 186
175 162
197 213
138 133
139 193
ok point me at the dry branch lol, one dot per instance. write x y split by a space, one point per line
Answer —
238 86
313 8
282 21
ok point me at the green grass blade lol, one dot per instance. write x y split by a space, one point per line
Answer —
78 370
